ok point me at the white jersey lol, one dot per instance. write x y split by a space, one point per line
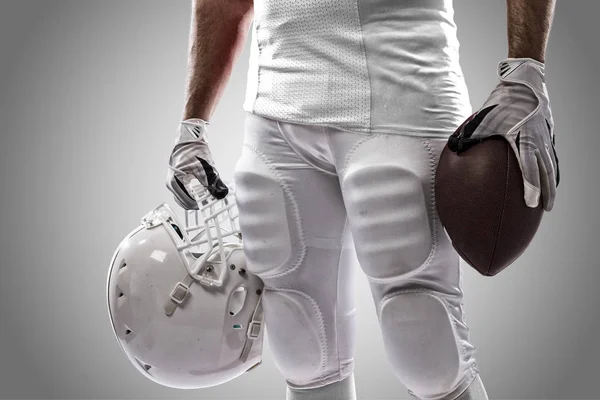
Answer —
368 66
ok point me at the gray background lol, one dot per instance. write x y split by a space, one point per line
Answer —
90 95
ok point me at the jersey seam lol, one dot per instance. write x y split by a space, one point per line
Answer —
364 49
258 67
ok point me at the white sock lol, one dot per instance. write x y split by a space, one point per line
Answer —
341 390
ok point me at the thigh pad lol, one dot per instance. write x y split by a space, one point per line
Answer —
269 219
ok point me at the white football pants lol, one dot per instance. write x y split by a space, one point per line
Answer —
298 188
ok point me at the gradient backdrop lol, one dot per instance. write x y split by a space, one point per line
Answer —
90 95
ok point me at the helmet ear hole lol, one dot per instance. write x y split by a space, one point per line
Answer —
237 300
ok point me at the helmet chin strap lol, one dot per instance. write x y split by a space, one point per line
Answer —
254 329
178 294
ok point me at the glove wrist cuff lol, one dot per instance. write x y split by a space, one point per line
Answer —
507 66
195 121
523 60
192 129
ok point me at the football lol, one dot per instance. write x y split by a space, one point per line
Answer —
479 195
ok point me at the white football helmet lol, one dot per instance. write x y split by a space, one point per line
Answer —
183 307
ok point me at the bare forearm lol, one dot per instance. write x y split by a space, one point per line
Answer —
529 23
218 32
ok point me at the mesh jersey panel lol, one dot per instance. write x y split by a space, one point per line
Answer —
370 66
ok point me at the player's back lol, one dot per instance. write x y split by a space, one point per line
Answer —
361 65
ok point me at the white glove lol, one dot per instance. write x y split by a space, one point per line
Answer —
519 110
191 158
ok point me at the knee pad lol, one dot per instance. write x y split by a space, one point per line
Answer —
269 221
421 341
296 333
389 219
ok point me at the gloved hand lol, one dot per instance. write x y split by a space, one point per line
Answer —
191 158
519 110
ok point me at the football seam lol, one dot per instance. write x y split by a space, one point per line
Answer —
502 209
